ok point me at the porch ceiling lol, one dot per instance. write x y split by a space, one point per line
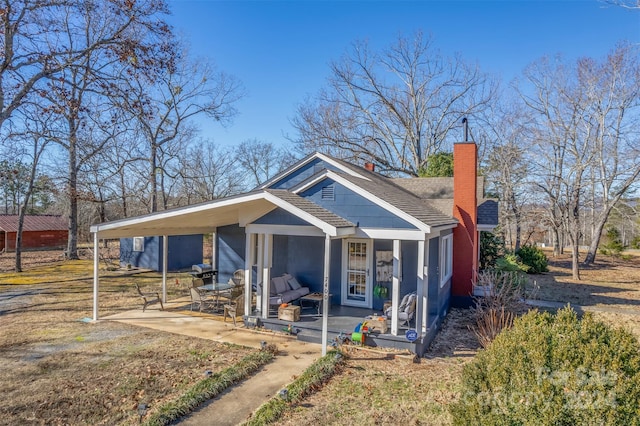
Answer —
198 219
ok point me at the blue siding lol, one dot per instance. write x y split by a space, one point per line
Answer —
433 296
280 216
302 174
230 251
354 207
184 251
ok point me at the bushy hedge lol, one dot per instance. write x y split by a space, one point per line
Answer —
553 370
534 258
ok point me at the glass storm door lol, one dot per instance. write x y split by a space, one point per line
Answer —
356 277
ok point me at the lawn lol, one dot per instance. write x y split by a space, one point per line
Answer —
59 369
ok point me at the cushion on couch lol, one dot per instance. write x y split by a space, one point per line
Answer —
293 283
279 286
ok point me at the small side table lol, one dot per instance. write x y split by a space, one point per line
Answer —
316 299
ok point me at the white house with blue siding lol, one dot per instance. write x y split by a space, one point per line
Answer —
331 225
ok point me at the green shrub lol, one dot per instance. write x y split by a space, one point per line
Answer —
613 245
491 248
553 370
534 258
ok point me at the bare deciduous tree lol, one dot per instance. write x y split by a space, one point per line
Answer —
262 160
164 110
395 108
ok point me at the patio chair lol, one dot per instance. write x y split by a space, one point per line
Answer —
406 309
238 277
201 300
149 298
234 308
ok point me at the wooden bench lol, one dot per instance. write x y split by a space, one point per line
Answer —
149 298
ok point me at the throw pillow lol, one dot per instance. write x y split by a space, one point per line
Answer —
294 284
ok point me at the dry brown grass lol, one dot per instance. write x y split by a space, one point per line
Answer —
378 388
59 370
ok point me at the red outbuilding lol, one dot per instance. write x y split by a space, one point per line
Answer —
39 232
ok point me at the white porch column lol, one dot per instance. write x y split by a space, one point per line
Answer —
421 304
259 277
165 261
395 287
96 281
325 293
214 249
248 262
425 287
266 273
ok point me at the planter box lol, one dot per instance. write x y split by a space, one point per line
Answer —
289 313
481 291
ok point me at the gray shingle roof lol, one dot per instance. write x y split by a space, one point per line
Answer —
435 187
488 212
311 208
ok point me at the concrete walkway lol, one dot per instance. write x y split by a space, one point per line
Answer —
237 403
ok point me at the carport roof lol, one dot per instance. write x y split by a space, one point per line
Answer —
206 217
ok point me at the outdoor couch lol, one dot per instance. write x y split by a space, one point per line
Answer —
285 289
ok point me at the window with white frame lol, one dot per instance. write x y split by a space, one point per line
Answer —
446 261
138 243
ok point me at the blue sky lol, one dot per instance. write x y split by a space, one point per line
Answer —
280 50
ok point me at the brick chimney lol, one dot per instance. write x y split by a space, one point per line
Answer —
465 235
370 166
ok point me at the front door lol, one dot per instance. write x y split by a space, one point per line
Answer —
356 275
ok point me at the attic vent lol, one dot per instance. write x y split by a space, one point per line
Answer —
327 193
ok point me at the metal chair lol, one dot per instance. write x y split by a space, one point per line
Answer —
201 299
149 298
234 308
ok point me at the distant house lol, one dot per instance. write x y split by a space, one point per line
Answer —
362 240
38 232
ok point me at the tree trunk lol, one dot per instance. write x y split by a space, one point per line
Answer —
575 262
593 248
154 179
18 265
72 241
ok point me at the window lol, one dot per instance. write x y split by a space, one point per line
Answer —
446 255
138 243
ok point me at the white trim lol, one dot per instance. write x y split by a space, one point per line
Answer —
165 266
302 230
96 279
446 259
248 261
368 297
486 228
421 291
325 292
390 234
376 200
395 287
304 162
177 212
